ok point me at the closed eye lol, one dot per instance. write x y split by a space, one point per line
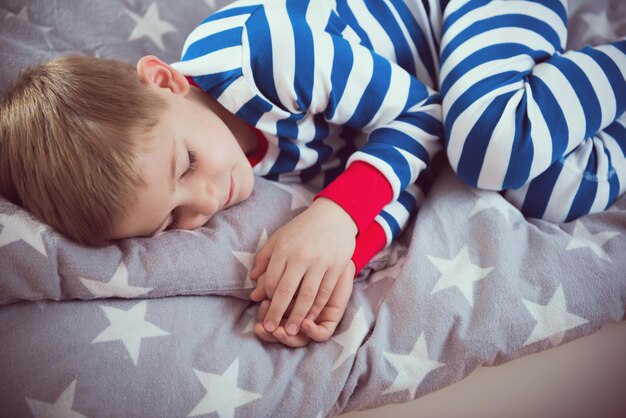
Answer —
192 165
174 222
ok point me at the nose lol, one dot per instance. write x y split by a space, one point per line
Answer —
200 206
204 199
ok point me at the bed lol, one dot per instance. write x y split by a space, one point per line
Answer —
162 327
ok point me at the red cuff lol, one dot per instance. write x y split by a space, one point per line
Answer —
367 245
362 191
257 155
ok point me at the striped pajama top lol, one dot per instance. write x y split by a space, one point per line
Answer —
331 84
344 93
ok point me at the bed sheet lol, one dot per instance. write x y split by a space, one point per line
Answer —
162 326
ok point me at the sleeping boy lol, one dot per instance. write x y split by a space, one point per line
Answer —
336 94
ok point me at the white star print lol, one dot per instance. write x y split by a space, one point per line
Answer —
210 3
552 319
62 407
247 259
351 338
459 272
598 25
22 227
488 200
250 313
223 395
301 197
412 368
150 26
582 238
118 285
23 16
130 327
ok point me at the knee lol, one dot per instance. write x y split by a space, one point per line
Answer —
493 151
496 166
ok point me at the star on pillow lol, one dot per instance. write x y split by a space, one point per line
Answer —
129 327
598 25
459 272
412 368
116 287
582 238
492 200
62 407
247 259
150 26
223 394
20 226
301 197
23 16
350 340
553 319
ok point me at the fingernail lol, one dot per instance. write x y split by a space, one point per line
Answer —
269 326
311 317
292 329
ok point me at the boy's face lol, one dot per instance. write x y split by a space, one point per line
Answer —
193 167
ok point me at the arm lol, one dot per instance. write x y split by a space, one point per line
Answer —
346 84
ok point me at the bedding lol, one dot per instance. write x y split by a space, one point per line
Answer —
163 326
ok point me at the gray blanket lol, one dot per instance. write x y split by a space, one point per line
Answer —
162 327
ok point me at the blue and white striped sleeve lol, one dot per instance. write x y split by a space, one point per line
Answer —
324 74
514 101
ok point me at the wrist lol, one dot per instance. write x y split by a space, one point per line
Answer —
362 191
333 211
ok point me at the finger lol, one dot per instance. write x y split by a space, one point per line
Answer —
305 297
319 332
290 341
282 296
261 260
263 307
258 294
260 332
326 288
293 341
331 314
274 273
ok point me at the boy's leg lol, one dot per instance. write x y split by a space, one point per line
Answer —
514 103
587 180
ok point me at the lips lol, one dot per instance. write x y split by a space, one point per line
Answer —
230 192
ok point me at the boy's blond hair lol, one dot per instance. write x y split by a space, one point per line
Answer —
69 141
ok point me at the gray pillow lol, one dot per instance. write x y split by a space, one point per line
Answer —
38 263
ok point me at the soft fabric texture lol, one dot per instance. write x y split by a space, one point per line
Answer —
162 327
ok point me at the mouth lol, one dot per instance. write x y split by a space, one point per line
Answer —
230 192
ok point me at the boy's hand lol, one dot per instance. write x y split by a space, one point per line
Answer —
306 255
321 329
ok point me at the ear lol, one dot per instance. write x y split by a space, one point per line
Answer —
155 72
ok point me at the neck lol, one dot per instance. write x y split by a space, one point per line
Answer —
246 138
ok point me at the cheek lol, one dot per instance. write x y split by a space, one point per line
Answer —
248 182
